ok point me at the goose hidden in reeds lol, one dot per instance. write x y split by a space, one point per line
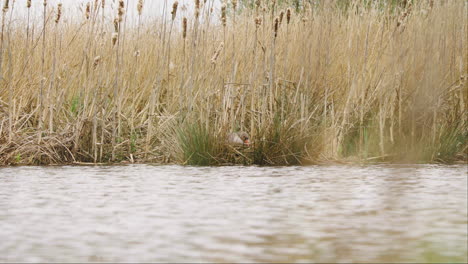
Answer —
238 138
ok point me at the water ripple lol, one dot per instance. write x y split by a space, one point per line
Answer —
144 213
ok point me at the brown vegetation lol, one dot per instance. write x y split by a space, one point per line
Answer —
366 82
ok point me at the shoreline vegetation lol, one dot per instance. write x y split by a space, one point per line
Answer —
309 81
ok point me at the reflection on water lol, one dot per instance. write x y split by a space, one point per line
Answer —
147 213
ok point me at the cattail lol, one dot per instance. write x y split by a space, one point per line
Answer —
288 15
281 16
116 25
174 9
28 4
6 6
45 3
258 3
115 36
59 13
140 7
184 27
88 10
120 14
216 54
223 14
276 26
234 4
197 8
121 10
258 22
97 60
103 3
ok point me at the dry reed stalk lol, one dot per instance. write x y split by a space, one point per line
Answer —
11 107
194 55
136 63
2 36
41 95
272 76
253 76
174 14
116 101
182 79
51 92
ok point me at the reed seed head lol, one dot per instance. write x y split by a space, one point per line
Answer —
6 6
184 27
59 13
88 10
116 25
120 14
288 15
223 14
121 10
28 4
276 25
234 4
174 10
115 36
197 8
103 4
258 22
281 16
140 7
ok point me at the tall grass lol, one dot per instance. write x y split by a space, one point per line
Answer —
374 81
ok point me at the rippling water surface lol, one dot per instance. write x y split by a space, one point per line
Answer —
143 213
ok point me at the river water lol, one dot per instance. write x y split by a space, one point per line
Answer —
143 213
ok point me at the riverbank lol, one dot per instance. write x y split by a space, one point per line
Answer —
354 83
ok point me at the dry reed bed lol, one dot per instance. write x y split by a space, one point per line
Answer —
319 83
